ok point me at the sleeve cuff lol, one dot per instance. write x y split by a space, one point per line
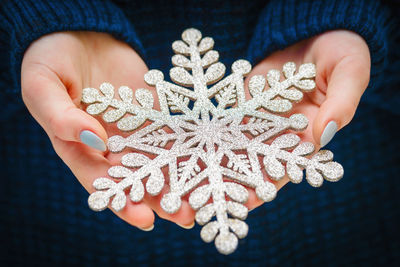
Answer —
283 23
25 21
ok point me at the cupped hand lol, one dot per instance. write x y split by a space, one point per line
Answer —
342 62
55 69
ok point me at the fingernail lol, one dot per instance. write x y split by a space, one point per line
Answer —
91 139
190 226
329 133
147 229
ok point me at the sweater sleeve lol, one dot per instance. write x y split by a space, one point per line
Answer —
22 22
283 23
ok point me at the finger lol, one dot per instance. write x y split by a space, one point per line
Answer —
254 202
346 84
87 165
49 102
184 217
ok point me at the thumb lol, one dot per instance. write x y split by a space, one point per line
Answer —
50 104
346 84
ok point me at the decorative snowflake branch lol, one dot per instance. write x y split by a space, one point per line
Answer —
218 146
318 167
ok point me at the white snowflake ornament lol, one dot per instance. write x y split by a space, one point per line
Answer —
210 140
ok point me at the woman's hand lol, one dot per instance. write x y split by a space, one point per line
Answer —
55 69
343 65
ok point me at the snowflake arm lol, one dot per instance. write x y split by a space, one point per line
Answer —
214 145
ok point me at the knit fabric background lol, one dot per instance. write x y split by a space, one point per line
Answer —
44 217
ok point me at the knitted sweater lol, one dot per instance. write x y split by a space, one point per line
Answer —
44 215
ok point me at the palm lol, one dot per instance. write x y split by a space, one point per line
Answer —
87 60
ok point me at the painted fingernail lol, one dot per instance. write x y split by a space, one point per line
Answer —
190 226
148 228
91 139
329 133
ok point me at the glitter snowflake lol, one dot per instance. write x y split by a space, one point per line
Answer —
208 142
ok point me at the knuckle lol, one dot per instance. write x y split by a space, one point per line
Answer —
349 109
30 88
33 80
359 66
56 123
59 120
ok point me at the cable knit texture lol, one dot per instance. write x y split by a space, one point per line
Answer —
22 22
44 217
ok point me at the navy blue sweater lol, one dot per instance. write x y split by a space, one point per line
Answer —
44 218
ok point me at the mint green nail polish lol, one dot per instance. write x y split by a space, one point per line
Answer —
91 139
329 132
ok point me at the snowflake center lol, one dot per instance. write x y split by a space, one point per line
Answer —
214 130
